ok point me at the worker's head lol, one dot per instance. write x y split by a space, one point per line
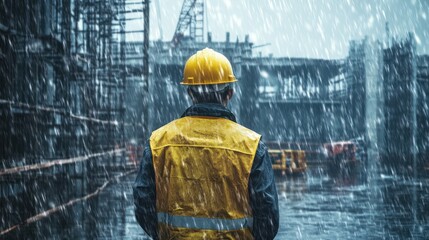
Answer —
208 75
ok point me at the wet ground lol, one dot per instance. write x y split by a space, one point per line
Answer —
353 206
317 205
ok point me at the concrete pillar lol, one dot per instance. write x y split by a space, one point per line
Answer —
374 96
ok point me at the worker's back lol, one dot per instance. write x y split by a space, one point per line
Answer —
202 167
203 176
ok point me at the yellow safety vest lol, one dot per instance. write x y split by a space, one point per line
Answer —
202 167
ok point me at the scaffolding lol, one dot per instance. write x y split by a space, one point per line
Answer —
64 76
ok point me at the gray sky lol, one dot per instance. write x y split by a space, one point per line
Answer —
304 28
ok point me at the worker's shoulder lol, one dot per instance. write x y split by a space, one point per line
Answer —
245 131
164 128
220 123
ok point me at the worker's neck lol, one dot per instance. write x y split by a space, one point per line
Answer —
223 103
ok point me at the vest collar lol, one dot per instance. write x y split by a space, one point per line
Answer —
210 110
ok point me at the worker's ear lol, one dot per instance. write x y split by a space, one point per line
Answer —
229 94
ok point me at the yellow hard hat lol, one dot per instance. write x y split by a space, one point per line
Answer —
207 67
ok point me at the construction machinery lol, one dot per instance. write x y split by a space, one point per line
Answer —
341 154
288 161
191 19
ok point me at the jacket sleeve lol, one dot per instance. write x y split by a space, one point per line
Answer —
263 196
144 192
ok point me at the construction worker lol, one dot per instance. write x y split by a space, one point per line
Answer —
203 176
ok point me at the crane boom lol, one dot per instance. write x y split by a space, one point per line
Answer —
191 18
158 15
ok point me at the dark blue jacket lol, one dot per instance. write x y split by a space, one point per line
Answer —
262 188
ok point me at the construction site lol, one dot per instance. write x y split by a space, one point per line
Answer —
79 98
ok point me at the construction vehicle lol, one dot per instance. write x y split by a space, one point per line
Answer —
288 161
341 154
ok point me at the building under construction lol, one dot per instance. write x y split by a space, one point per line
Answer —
77 97
64 73
297 103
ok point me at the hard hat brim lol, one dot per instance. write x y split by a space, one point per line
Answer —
212 83
190 81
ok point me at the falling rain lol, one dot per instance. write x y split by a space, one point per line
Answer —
339 91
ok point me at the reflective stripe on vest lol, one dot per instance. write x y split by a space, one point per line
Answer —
205 223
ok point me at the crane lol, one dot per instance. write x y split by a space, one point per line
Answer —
191 18
158 15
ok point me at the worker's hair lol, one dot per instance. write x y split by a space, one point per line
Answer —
209 94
